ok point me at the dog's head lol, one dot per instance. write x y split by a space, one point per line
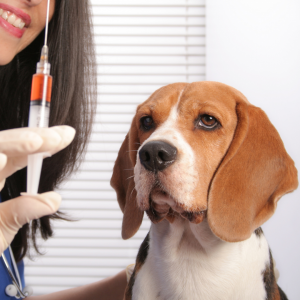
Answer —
201 150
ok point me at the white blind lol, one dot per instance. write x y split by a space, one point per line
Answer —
141 46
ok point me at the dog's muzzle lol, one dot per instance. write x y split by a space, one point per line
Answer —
156 156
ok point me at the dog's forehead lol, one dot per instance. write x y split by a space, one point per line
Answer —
214 92
193 95
165 97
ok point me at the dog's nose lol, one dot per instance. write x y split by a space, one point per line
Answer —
157 155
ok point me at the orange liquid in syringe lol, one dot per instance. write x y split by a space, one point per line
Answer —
37 88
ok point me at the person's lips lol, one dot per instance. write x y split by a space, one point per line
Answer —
18 12
13 20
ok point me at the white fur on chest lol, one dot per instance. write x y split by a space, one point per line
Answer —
186 261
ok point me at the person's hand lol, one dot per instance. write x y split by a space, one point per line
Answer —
15 146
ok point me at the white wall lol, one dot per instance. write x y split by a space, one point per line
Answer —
254 46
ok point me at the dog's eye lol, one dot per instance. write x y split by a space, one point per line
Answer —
147 122
207 122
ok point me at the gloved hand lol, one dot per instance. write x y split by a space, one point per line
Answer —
15 146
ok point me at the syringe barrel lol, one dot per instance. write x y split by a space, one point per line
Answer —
38 117
40 100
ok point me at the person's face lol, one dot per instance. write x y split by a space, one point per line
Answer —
21 21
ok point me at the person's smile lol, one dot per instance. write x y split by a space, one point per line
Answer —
14 20
21 21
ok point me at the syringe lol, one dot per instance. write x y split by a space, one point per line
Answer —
39 110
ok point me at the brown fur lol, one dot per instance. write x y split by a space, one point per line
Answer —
126 194
255 173
241 180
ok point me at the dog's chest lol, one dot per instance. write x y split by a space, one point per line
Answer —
178 268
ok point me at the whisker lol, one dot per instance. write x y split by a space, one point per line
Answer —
131 192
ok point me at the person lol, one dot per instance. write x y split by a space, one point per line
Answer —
72 61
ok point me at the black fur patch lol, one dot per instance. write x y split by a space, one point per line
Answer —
140 260
128 292
269 279
143 251
258 232
271 287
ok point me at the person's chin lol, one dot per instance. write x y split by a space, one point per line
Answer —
6 57
8 50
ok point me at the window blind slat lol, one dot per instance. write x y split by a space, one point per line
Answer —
137 11
139 3
109 252
150 20
152 31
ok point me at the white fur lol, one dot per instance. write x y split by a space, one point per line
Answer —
182 177
188 262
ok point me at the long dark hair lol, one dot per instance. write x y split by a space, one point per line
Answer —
73 102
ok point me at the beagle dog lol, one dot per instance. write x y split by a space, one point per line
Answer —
208 169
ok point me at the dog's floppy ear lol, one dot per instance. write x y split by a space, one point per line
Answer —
255 172
123 183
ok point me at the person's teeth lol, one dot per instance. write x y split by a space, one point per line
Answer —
11 19
17 22
5 15
21 25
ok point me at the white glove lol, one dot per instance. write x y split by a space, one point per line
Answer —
15 146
